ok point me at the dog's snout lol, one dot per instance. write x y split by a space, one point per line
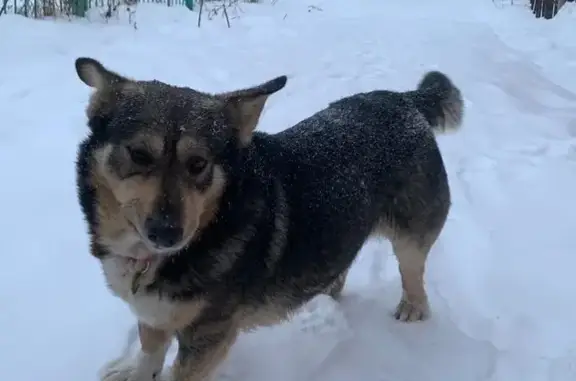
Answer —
163 233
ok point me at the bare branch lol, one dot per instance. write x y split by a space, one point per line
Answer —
200 12
226 15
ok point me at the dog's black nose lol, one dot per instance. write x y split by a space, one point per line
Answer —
163 233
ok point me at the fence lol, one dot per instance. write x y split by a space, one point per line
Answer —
49 8
506 3
540 8
547 8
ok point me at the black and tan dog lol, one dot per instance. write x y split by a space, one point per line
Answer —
205 227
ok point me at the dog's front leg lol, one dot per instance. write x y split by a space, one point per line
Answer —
149 362
202 347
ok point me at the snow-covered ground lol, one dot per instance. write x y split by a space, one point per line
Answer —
501 278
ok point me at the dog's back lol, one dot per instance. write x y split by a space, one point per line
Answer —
370 164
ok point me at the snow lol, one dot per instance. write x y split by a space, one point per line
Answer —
500 278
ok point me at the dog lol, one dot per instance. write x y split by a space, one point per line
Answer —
207 228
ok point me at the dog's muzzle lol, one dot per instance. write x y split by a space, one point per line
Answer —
162 233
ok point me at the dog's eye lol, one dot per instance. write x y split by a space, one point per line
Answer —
196 165
141 157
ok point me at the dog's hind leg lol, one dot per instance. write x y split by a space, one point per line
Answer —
411 246
411 253
412 221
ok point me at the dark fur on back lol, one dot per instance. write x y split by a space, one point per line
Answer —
333 178
297 206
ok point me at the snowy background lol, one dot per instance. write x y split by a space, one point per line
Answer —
501 278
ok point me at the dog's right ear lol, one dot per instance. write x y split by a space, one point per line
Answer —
95 75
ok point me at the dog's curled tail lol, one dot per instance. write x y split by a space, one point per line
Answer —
440 101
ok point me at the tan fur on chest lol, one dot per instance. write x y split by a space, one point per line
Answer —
150 307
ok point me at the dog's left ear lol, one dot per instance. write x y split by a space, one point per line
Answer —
246 105
95 75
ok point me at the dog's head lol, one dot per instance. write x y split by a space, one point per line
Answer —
156 166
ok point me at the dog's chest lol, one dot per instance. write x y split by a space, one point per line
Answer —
151 308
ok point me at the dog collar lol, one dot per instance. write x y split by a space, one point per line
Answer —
141 267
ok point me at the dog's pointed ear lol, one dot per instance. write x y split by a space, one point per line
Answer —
95 75
246 105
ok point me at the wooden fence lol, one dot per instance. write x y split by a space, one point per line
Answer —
51 8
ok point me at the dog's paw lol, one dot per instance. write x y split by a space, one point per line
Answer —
409 311
123 370
117 370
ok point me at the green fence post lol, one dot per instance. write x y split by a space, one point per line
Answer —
79 7
189 4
